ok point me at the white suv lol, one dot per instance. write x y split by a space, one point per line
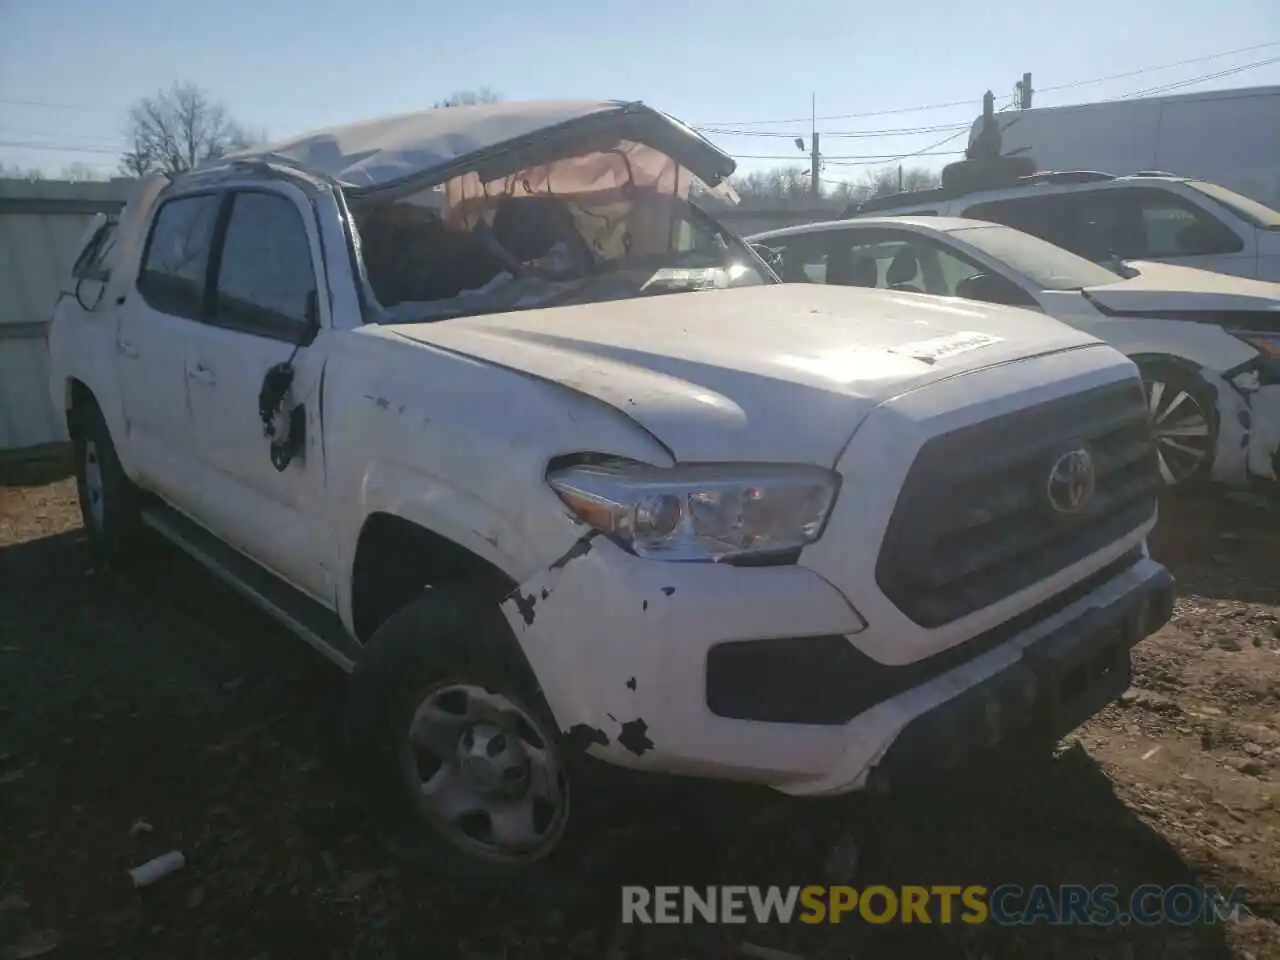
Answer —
1159 217
484 446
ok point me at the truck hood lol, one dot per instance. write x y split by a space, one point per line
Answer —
1162 288
777 373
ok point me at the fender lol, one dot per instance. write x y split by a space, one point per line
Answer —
390 487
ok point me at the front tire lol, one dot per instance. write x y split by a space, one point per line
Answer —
1184 421
109 501
455 745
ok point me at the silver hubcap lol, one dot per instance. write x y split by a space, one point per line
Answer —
1181 430
93 483
486 774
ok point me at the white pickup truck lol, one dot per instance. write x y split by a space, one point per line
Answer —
480 406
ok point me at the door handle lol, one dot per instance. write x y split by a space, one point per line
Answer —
128 348
201 374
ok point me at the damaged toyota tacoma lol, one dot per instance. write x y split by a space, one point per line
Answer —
481 406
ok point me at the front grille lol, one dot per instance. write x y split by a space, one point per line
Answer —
974 523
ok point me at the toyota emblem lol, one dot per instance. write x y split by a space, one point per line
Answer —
1072 481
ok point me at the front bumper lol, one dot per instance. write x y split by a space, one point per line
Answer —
621 649
1059 681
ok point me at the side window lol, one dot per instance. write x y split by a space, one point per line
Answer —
176 263
923 264
803 258
1172 227
1043 217
265 276
92 262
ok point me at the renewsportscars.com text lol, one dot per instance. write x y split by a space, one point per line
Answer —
1005 905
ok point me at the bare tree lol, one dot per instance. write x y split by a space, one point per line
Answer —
788 187
468 98
180 128
779 187
80 173
885 180
12 171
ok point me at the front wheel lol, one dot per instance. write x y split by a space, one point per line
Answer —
109 501
459 752
1184 422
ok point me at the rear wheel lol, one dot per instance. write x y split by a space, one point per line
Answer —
1184 422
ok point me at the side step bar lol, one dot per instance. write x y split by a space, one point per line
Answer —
319 627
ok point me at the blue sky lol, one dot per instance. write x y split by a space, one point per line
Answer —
289 66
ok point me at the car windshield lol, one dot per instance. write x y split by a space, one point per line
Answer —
1048 266
543 251
1253 212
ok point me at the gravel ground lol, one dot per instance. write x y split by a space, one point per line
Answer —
151 710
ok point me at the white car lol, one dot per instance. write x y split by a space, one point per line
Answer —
476 403
1208 345
1142 216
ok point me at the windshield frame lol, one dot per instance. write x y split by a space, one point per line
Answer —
1088 273
1253 212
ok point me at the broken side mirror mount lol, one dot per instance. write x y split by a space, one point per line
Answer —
311 320
284 423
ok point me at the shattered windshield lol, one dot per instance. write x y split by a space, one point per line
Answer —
543 251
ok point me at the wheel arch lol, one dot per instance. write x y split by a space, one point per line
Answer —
397 558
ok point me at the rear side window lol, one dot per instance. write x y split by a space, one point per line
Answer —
1173 227
176 262
1134 223
266 280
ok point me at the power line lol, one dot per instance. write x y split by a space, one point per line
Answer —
86 139
1167 66
60 147
841 157
969 102
55 105
852 134
1178 85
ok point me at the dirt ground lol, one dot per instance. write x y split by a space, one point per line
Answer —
152 710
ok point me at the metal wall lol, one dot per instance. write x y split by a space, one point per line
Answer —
40 223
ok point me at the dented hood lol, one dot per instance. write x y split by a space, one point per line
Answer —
781 373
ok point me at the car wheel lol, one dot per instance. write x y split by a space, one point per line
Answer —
1184 421
109 501
456 748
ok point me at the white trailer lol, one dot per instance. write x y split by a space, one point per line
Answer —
1231 137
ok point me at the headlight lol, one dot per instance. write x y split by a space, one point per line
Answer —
699 511
1268 345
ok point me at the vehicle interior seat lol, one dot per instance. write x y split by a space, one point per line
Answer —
411 255
902 271
990 288
529 228
865 271
791 270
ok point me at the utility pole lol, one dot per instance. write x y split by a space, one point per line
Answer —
815 156
1024 92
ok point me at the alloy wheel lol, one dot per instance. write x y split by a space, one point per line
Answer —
1181 428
